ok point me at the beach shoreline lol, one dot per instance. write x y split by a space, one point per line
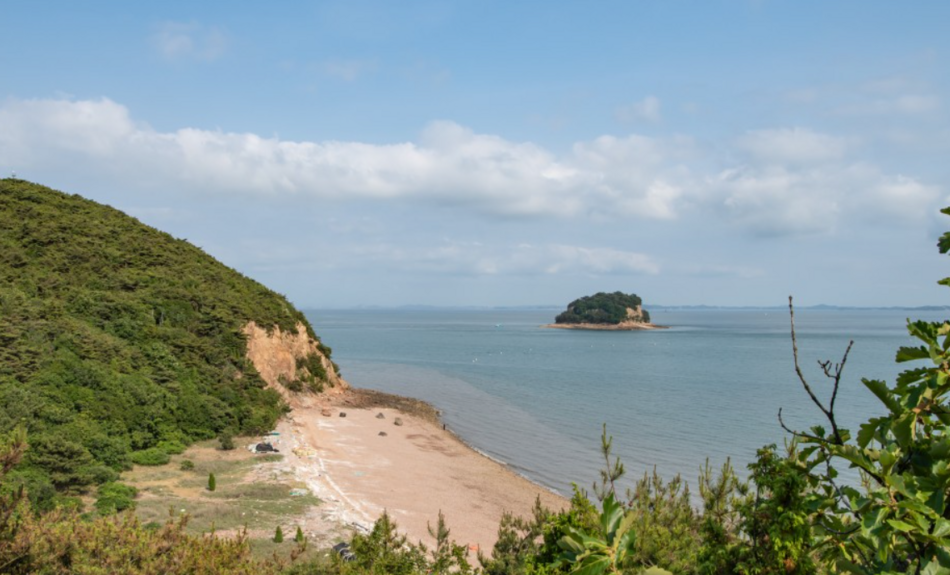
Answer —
363 452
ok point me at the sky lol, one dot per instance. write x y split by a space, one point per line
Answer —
483 153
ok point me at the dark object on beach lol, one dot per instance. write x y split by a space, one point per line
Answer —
342 414
397 421
383 434
265 447
343 549
380 415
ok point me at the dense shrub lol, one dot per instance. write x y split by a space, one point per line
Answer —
226 440
151 456
119 338
114 497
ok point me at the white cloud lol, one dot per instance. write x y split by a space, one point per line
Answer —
450 165
776 201
647 109
479 259
189 40
767 182
798 182
792 146
896 198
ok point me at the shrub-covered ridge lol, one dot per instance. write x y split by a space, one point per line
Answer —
119 342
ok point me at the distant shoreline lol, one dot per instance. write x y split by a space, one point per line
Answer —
623 326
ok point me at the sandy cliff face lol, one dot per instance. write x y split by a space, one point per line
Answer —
635 313
275 356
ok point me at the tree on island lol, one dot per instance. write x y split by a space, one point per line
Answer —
603 308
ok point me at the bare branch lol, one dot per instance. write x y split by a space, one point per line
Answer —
839 369
793 432
829 413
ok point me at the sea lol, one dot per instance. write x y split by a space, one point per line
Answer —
706 390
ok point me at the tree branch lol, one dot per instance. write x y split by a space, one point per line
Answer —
801 377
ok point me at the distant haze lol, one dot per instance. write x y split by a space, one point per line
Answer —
499 154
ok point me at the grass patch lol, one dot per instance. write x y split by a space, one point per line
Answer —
262 548
238 501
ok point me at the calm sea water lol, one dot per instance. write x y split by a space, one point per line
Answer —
708 387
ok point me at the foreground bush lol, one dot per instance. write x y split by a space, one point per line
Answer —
61 541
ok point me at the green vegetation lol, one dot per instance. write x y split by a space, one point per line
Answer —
114 497
63 541
602 308
96 368
227 442
120 344
256 492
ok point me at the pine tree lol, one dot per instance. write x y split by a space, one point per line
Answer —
211 482
299 536
278 535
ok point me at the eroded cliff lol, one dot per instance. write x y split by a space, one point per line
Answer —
291 362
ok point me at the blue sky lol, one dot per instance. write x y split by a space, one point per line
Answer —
499 153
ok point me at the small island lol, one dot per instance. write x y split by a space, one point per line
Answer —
605 311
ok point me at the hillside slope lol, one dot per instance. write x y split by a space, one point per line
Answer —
120 343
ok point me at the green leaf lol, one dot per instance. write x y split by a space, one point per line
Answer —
925 331
943 244
943 556
592 565
852 454
610 518
866 433
873 520
933 568
911 376
941 528
912 353
940 449
903 429
937 501
571 543
880 389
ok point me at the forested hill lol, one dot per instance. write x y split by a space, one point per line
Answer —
118 342
604 308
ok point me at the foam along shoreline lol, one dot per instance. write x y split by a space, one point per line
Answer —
363 463
622 326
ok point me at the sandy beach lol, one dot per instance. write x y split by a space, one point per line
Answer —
362 463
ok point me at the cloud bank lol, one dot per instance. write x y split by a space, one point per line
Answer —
769 182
